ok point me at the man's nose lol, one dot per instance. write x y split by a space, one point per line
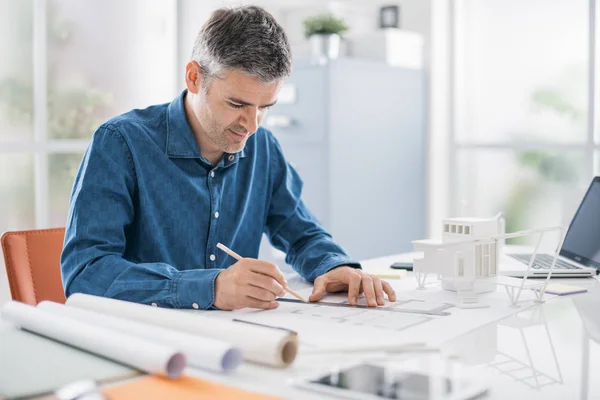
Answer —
251 119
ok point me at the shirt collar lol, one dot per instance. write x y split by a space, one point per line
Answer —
181 142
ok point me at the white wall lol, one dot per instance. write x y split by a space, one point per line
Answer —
361 16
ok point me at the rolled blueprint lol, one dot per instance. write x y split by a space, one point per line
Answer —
275 347
206 353
127 349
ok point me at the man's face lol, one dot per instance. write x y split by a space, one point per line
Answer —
231 109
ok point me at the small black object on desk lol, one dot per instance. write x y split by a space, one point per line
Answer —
407 265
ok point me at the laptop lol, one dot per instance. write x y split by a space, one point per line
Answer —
580 253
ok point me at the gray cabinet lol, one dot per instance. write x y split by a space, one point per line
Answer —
357 140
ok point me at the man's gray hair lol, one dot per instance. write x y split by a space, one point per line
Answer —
245 38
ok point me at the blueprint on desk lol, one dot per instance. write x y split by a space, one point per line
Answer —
325 325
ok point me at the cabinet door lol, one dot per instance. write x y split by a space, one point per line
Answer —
377 164
307 112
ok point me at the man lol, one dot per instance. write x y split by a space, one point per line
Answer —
158 189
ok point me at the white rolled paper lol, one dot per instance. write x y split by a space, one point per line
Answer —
206 353
139 353
275 347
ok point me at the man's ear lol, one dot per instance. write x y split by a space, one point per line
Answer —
194 77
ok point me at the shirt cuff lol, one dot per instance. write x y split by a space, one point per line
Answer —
195 288
330 263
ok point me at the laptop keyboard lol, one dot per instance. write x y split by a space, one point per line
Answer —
543 261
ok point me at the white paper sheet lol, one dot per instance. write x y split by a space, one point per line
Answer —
203 352
322 327
138 353
259 344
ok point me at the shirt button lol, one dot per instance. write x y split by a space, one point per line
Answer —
231 157
212 257
217 214
212 174
195 305
154 305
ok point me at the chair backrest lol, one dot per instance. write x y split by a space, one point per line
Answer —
32 261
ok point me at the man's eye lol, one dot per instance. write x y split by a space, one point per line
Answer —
238 106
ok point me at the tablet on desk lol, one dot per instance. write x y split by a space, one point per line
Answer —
372 381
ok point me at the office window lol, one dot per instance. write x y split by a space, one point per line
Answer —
16 167
16 48
62 169
531 187
521 141
16 190
67 66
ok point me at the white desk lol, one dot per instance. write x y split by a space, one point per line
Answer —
540 353
548 352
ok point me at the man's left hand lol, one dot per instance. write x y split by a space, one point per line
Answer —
355 282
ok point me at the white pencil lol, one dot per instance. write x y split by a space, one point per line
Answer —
238 257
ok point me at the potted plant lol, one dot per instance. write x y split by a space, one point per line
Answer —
324 34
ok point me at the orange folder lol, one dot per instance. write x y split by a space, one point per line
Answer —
155 387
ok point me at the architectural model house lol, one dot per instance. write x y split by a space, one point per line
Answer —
466 259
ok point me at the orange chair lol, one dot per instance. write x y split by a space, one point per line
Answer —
33 264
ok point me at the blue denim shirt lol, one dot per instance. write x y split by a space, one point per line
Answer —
147 211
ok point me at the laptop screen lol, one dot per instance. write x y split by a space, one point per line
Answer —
582 243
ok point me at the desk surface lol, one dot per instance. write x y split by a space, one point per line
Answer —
547 352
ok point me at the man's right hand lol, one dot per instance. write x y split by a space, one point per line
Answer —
249 283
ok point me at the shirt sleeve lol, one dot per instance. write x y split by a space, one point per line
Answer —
101 212
292 228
